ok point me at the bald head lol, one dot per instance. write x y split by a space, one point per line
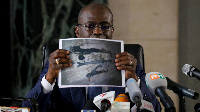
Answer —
90 17
96 10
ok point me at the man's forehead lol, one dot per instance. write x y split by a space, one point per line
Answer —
95 16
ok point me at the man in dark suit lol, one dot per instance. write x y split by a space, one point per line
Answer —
94 21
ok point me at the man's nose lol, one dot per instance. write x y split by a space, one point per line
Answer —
97 31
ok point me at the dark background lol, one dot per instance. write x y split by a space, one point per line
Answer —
189 46
28 25
5 50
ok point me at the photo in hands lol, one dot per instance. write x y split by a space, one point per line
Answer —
93 63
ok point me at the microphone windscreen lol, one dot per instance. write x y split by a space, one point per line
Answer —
107 95
155 80
186 69
122 98
133 89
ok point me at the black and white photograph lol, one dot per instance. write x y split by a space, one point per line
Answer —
92 63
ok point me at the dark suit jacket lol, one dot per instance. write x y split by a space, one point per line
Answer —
74 99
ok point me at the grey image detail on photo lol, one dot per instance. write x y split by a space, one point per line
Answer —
93 62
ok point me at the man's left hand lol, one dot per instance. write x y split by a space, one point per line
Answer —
127 62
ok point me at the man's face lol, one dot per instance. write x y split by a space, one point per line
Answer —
95 24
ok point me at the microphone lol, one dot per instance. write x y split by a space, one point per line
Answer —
105 105
121 104
122 98
145 107
191 71
134 92
157 85
104 101
197 107
180 90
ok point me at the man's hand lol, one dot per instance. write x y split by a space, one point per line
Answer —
58 59
127 62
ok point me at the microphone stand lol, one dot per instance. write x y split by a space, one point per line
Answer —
182 103
138 109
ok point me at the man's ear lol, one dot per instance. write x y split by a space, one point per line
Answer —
77 31
112 29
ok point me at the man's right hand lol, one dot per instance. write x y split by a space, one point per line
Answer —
62 56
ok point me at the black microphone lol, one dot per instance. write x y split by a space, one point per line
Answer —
157 84
191 71
180 90
104 100
197 107
105 105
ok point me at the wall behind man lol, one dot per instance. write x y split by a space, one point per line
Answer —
169 31
154 25
189 45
